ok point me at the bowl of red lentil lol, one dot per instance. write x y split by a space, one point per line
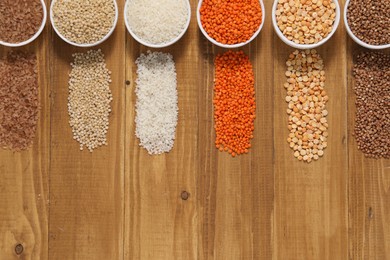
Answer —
368 23
24 28
230 24
84 23
305 24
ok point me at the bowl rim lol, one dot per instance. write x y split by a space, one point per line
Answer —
43 24
230 46
355 38
85 45
152 45
305 46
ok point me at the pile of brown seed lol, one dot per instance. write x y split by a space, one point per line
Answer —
369 20
84 22
19 19
305 21
372 88
19 106
306 100
89 99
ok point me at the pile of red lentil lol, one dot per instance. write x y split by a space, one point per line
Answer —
234 102
231 22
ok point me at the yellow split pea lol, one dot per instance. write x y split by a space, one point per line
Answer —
306 99
305 21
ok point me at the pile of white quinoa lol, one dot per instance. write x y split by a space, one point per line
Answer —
157 102
89 99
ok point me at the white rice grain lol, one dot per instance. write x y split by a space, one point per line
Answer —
157 102
157 22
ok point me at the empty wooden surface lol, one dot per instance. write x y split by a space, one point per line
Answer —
195 202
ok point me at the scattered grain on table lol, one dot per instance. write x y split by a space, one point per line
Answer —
89 99
305 21
231 22
372 89
369 20
157 102
234 102
19 19
157 22
84 22
19 95
306 98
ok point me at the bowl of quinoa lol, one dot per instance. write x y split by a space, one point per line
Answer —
84 23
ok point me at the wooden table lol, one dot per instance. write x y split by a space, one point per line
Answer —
120 203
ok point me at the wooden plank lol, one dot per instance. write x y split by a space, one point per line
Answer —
159 224
311 199
369 189
236 194
24 191
86 189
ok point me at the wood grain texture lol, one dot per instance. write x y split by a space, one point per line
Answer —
369 188
236 194
311 199
159 224
86 189
24 176
121 203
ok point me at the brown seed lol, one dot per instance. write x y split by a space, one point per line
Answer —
372 89
370 20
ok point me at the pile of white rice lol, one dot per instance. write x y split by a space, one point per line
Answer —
156 105
157 21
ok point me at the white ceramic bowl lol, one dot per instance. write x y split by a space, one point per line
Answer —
35 35
305 46
143 42
86 45
356 39
230 45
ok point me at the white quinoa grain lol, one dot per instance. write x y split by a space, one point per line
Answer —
84 21
89 99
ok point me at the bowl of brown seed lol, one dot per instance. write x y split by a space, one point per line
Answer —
19 25
84 23
368 23
305 24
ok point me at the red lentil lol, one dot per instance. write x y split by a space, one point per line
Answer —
231 22
234 102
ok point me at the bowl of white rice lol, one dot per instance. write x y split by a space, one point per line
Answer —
157 24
